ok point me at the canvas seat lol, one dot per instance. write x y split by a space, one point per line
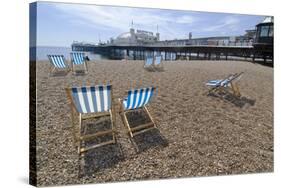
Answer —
158 65
223 84
137 99
78 63
148 64
58 63
215 83
91 102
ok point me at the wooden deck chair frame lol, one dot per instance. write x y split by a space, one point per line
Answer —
85 64
140 128
80 139
233 85
54 69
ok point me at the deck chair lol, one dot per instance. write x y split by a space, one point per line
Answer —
148 64
91 102
58 64
158 63
224 84
78 59
137 99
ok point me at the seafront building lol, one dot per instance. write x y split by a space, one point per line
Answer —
142 37
138 37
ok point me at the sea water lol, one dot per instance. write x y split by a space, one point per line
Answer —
43 51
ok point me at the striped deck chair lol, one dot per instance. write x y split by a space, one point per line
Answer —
223 84
58 64
77 60
158 63
137 99
148 64
91 102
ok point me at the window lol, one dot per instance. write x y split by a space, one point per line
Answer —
270 33
264 31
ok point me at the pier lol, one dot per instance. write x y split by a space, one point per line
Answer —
206 52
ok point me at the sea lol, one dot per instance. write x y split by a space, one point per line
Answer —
43 51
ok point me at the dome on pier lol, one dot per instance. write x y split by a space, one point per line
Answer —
125 35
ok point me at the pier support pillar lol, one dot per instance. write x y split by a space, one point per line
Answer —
134 54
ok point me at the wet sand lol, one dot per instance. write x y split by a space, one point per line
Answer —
198 135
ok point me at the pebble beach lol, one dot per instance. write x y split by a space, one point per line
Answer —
198 134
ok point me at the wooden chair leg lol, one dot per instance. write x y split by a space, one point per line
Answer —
52 71
80 143
127 124
72 67
149 115
112 126
86 67
237 91
81 164
124 118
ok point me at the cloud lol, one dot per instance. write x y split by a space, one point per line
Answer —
93 16
230 23
119 18
110 21
185 19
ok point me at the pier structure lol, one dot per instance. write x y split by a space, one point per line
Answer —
137 52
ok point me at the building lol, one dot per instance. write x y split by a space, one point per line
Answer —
211 41
264 32
138 37
263 43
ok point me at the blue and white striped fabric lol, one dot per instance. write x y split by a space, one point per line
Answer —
138 98
216 83
148 61
57 61
92 99
78 58
158 60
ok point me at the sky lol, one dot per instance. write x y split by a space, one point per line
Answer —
59 24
